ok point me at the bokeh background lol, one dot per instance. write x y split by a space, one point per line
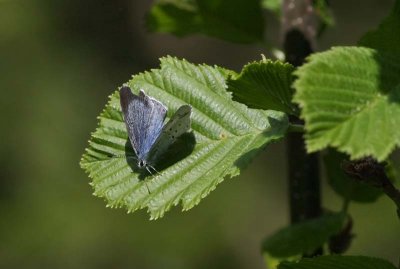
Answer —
59 60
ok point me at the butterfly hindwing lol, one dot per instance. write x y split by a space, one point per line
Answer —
144 118
175 127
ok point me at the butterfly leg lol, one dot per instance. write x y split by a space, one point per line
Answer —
147 186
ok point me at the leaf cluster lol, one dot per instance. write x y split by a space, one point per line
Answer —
348 98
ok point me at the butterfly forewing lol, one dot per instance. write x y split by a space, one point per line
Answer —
144 118
176 126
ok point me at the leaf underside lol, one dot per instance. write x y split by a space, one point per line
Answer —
265 85
232 20
387 36
338 262
225 136
345 186
350 100
304 237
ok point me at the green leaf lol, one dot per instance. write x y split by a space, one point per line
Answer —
265 85
344 185
226 135
338 262
350 100
272 5
387 36
232 20
272 262
304 237
323 12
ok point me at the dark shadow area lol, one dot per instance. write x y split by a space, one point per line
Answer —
179 150
297 47
9 177
389 79
176 152
131 157
244 160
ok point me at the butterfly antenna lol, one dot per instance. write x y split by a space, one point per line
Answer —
154 169
148 170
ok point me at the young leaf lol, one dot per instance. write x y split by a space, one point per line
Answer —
338 262
387 36
272 262
323 11
350 100
344 185
304 237
232 20
265 85
226 135
272 5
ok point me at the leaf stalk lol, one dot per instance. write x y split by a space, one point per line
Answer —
296 128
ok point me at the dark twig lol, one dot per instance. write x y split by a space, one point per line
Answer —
371 172
340 242
298 27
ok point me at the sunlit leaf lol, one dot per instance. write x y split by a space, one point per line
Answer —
272 5
226 135
350 100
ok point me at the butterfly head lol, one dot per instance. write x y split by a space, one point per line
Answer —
142 163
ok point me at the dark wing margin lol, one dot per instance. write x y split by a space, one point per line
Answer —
144 118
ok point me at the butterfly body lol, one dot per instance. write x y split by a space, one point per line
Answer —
144 118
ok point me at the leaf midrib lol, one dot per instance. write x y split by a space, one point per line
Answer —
186 187
227 104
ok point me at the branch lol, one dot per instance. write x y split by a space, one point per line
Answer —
298 27
371 172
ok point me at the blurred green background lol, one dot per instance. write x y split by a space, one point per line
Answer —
59 62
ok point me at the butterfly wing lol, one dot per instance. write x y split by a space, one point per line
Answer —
175 127
144 118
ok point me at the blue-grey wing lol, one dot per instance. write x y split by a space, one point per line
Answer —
144 118
175 127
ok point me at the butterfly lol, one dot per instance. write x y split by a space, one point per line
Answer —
144 118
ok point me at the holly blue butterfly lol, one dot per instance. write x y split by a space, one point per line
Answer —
144 118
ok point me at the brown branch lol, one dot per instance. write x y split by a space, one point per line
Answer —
373 173
298 29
